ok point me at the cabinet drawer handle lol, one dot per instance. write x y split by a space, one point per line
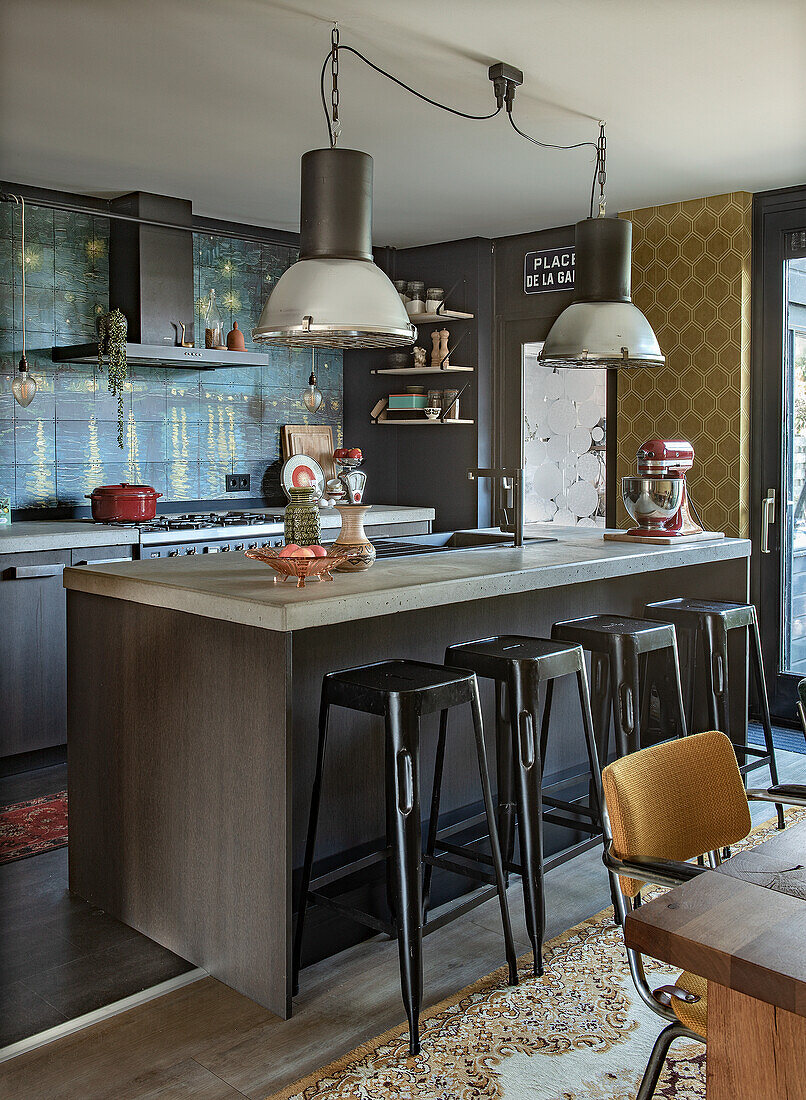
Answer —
101 561
27 572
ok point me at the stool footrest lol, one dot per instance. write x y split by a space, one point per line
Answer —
453 909
576 824
751 750
457 868
753 764
480 857
357 915
570 807
353 868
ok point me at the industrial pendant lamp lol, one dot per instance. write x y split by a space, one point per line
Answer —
602 327
335 296
24 385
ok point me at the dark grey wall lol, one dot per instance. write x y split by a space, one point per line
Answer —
427 465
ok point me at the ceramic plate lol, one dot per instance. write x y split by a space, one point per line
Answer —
299 472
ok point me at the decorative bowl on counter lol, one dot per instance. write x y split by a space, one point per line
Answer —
301 568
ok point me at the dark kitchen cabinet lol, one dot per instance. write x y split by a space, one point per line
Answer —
33 644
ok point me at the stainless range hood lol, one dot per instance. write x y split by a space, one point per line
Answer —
151 281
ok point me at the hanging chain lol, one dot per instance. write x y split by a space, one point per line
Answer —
334 72
601 155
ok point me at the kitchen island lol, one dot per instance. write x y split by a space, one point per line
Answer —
192 712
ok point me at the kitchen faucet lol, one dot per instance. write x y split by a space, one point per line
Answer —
511 478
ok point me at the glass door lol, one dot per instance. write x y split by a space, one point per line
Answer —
779 445
563 443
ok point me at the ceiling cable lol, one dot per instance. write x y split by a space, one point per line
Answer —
505 95
333 127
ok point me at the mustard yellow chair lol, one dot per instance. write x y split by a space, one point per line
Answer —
665 805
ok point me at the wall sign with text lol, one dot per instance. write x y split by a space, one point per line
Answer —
549 269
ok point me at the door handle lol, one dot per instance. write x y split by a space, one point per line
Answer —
28 572
767 517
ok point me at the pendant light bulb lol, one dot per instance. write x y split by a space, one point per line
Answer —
24 385
312 397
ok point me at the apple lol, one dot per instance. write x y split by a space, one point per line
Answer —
354 454
340 453
288 550
318 551
302 552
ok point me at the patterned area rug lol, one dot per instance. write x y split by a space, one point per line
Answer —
578 1033
28 828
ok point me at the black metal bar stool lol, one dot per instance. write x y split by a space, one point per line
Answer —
617 645
520 665
402 691
708 623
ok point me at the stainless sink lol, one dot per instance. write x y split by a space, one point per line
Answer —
410 545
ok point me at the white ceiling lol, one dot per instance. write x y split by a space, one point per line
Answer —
215 100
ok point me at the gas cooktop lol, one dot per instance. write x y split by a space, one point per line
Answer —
197 521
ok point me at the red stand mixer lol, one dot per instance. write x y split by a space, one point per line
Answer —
656 499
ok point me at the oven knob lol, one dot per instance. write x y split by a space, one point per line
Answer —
191 550
264 545
224 549
252 545
172 553
239 546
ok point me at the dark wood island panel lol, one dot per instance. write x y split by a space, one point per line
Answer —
178 772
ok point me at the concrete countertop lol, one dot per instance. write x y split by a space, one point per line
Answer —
243 591
27 536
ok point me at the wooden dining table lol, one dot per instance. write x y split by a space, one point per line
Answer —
743 928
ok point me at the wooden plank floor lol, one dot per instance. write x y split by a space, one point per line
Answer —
209 1043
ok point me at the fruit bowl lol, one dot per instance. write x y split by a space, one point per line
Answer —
301 568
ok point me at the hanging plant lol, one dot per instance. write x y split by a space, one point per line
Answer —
112 328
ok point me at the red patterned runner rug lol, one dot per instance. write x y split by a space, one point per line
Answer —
29 828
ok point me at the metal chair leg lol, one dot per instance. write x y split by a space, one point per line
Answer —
711 687
625 687
761 690
505 777
310 840
544 726
433 821
600 676
720 657
526 755
489 809
403 736
658 1057
674 658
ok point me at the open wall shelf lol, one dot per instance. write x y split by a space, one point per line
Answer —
429 423
406 371
445 315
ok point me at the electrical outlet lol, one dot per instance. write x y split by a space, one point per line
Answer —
237 483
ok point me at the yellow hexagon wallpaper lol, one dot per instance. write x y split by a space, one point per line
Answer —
691 277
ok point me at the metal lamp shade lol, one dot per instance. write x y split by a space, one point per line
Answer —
335 303
601 334
334 296
602 327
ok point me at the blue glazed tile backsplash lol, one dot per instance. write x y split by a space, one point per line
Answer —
184 429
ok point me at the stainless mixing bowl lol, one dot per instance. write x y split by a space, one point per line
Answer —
652 501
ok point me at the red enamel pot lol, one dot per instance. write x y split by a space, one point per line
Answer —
123 503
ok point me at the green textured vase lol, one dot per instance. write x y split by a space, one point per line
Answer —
302 518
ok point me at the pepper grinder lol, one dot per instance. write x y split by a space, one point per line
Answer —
435 358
